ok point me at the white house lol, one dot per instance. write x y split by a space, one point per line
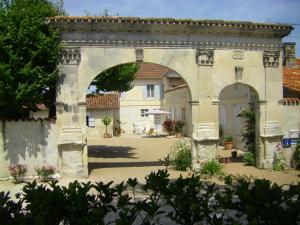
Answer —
147 94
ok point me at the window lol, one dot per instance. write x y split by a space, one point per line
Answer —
144 112
150 91
90 121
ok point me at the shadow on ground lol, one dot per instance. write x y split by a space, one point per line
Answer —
104 151
97 165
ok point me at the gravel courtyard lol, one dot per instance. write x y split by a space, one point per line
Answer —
123 157
117 159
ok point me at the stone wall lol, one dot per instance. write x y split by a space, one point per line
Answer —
32 142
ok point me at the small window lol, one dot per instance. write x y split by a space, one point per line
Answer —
90 121
150 91
144 112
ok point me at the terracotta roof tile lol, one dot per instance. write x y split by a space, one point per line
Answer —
103 101
289 101
291 77
150 70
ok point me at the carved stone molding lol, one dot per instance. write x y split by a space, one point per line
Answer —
70 56
204 131
238 55
271 58
205 57
139 54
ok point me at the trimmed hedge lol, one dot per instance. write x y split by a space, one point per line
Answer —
183 201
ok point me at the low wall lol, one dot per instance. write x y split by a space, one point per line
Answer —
32 142
290 121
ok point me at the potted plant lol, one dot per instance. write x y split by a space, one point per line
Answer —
234 153
106 121
18 171
228 142
168 126
179 128
45 172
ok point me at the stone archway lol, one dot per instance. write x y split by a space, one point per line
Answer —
233 99
207 54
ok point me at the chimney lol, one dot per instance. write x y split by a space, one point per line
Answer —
289 54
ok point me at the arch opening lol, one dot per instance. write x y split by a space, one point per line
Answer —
239 120
155 88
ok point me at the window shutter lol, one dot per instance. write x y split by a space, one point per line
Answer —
162 91
156 91
145 92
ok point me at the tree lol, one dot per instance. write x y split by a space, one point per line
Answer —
28 57
118 78
106 121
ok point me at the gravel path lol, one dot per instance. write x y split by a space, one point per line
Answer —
117 159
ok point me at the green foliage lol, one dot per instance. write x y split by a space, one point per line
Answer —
28 57
106 121
249 130
296 161
45 172
118 78
279 162
181 155
182 201
249 159
179 125
228 138
212 168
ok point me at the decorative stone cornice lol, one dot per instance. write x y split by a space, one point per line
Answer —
271 58
205 57
70 56
169 25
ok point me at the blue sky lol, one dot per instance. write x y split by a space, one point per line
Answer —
273 11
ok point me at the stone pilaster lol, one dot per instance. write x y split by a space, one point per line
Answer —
72 138
271 110
205 127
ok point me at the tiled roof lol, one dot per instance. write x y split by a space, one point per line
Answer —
103 101
177 87
290 101
291 77
99 101
150 70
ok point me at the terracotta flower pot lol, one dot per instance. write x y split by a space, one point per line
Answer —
228 145
107 135
179 135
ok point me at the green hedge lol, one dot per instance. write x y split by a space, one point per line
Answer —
160 201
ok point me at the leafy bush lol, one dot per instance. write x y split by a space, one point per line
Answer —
179 126
249 158
296 161
17 171
181 155
182 201
249 133
168 126
45 172
212 168
279 161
